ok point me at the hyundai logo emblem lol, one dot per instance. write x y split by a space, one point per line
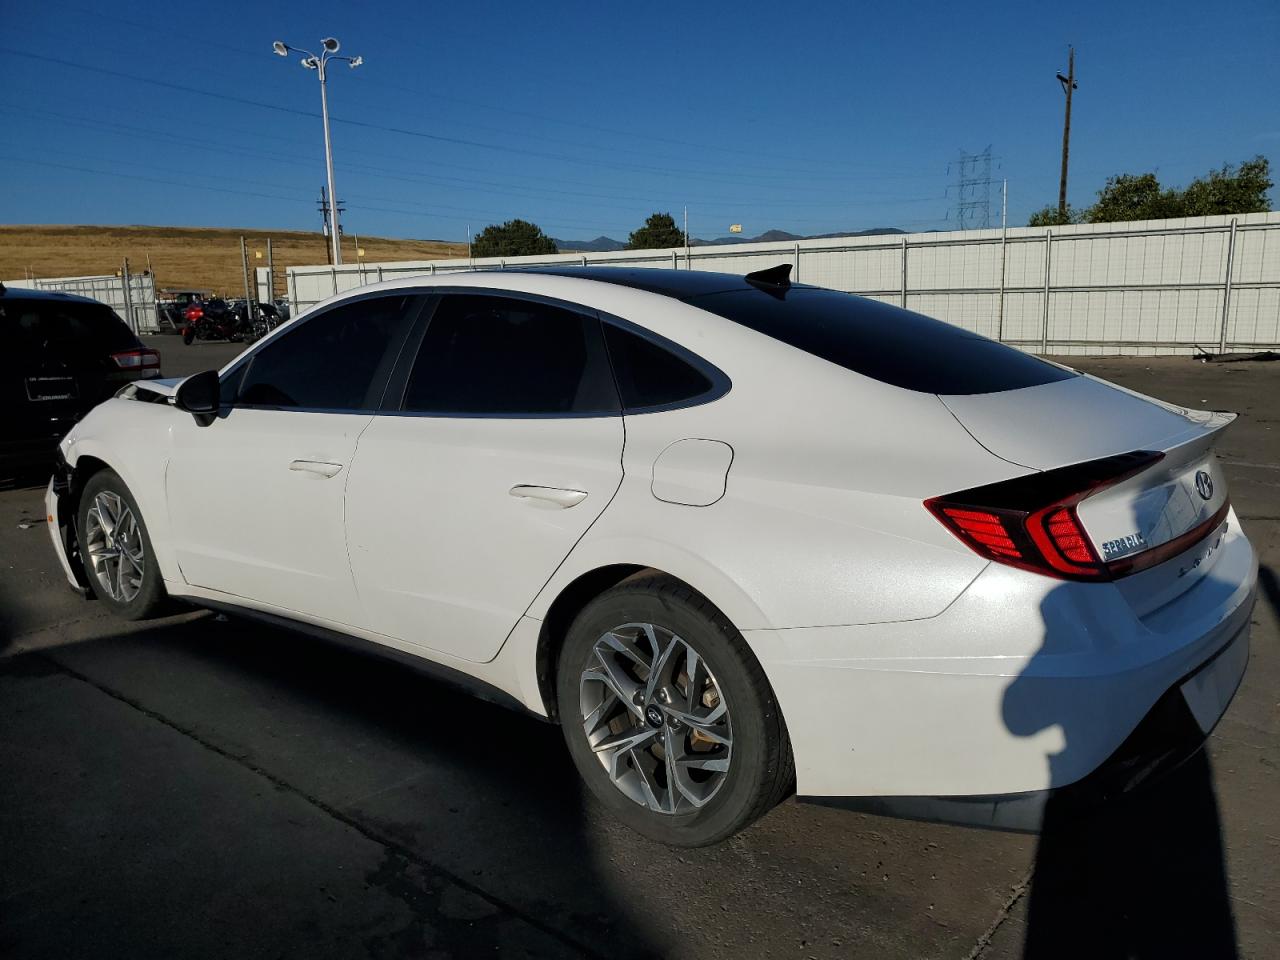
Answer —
653 715
1204 485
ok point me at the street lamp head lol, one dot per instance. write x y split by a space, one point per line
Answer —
330 44
281 48
355 62
310 63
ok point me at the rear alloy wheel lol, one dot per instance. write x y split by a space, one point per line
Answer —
668 716
116 549
656 718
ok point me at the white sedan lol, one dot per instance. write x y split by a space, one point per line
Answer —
738 536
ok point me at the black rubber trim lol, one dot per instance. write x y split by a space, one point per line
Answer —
436 671
1165 738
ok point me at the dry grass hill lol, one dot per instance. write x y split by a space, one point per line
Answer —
194 258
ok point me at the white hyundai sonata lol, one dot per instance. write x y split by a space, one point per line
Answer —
738 536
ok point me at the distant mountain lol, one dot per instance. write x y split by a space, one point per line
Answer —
604 244
598 245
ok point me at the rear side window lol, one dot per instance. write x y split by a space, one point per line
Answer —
484 355
883 342
649 375
337 360
35 328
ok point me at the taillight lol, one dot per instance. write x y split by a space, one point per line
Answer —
137 360
1031 522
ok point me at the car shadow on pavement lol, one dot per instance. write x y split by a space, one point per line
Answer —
457 790
1135 874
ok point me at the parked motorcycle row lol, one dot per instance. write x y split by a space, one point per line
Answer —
213 318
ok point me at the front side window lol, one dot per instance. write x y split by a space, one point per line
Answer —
337 360
496 356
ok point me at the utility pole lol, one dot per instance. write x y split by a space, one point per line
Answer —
686 237
324 224
1068 85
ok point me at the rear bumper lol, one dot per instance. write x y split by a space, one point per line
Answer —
1023 687
1171 733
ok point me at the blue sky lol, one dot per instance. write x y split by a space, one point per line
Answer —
586 117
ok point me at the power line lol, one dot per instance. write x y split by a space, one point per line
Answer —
405 131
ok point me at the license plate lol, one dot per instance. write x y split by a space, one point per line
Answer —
52 388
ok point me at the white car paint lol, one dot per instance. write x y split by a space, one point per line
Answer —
904 663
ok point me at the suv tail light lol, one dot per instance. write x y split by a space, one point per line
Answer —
137 360
1031 522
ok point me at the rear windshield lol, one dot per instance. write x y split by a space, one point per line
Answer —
887 343
31 327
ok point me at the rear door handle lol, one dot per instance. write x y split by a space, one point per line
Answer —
319 468
548 496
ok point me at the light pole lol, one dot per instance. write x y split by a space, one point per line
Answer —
319 63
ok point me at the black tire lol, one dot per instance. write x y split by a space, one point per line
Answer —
188 334
150 596
761 770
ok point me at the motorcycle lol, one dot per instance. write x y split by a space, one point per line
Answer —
211 320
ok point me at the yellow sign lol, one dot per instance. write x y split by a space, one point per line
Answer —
359 251
258 254
735 228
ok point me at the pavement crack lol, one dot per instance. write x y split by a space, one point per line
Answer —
984 941
388 844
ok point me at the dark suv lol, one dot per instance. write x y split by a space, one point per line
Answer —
60 355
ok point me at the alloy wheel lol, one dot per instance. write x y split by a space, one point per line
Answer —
113 544
656 718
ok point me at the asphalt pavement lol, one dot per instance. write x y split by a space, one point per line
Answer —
206 787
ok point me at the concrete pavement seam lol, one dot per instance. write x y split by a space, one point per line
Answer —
328 809
984 941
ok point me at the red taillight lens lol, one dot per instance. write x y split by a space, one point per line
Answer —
1031 522
137 360
984 528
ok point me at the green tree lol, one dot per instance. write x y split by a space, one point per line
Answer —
1240 189
658 232
1049 217
515 238
1134 197
1130 196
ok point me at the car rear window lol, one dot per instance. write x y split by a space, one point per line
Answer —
34 327
884 342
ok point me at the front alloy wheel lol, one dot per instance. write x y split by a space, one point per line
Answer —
116 548
656 719
113 545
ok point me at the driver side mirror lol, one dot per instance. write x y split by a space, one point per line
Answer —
200 396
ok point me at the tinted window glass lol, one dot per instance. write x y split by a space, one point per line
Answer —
885 342
334 361
648 375
70 330
496 355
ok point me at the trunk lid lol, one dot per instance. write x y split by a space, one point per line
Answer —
1177 505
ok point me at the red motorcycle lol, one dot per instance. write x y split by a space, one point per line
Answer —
211 320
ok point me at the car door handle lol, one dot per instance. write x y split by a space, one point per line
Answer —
319 468
548 496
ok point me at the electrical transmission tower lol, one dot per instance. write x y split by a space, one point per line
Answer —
973 190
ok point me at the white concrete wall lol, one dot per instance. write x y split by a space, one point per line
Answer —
1145 287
